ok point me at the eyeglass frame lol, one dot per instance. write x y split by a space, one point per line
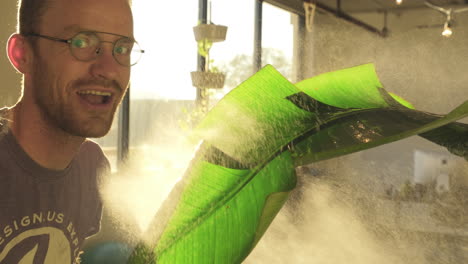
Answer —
69 42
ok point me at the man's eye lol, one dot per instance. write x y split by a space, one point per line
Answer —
80 43
121 50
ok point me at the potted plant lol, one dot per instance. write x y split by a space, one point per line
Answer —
209 79
210 32
206 35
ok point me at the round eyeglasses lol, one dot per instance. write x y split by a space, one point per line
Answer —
86 46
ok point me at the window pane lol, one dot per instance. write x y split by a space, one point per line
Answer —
277 39
161 94
234 55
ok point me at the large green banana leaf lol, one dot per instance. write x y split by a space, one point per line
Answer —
252 140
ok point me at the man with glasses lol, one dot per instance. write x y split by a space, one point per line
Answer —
75 57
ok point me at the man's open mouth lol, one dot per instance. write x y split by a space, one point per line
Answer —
95 97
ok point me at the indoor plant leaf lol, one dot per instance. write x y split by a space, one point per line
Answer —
255 136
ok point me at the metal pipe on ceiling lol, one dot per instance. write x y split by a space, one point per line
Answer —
340 14
338 7
257 53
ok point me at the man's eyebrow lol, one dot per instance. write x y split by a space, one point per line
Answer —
74 28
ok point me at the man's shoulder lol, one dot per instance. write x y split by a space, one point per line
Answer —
90 146
4 119
91 153
4 115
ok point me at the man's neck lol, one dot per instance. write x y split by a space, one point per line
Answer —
49 146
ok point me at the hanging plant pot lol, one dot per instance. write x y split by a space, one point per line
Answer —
211 32
204 80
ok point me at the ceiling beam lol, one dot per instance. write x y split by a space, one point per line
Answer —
345 16
399 9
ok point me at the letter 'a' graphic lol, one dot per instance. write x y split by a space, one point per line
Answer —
46 245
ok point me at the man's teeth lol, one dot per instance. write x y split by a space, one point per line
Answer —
95 93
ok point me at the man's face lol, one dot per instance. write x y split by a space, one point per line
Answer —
70 92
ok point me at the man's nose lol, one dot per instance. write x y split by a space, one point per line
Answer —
105 66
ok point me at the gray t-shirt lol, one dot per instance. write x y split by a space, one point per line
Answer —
45 215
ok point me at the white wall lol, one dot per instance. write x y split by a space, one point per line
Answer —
418 64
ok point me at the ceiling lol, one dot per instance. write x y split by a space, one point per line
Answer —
349 9
364 6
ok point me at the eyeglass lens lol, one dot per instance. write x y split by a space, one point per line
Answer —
85 46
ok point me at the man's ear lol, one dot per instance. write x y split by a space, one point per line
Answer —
19 52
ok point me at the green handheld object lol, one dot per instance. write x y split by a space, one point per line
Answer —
254 138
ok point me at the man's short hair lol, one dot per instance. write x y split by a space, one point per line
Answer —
30 13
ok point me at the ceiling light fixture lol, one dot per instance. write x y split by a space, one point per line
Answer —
447 32
398 2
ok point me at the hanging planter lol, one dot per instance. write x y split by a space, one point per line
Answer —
207 80
206 35
210 32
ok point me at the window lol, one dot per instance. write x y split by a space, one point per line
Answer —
161 89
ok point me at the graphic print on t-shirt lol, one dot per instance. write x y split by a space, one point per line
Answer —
45 244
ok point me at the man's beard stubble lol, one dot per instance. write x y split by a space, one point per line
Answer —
60 114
